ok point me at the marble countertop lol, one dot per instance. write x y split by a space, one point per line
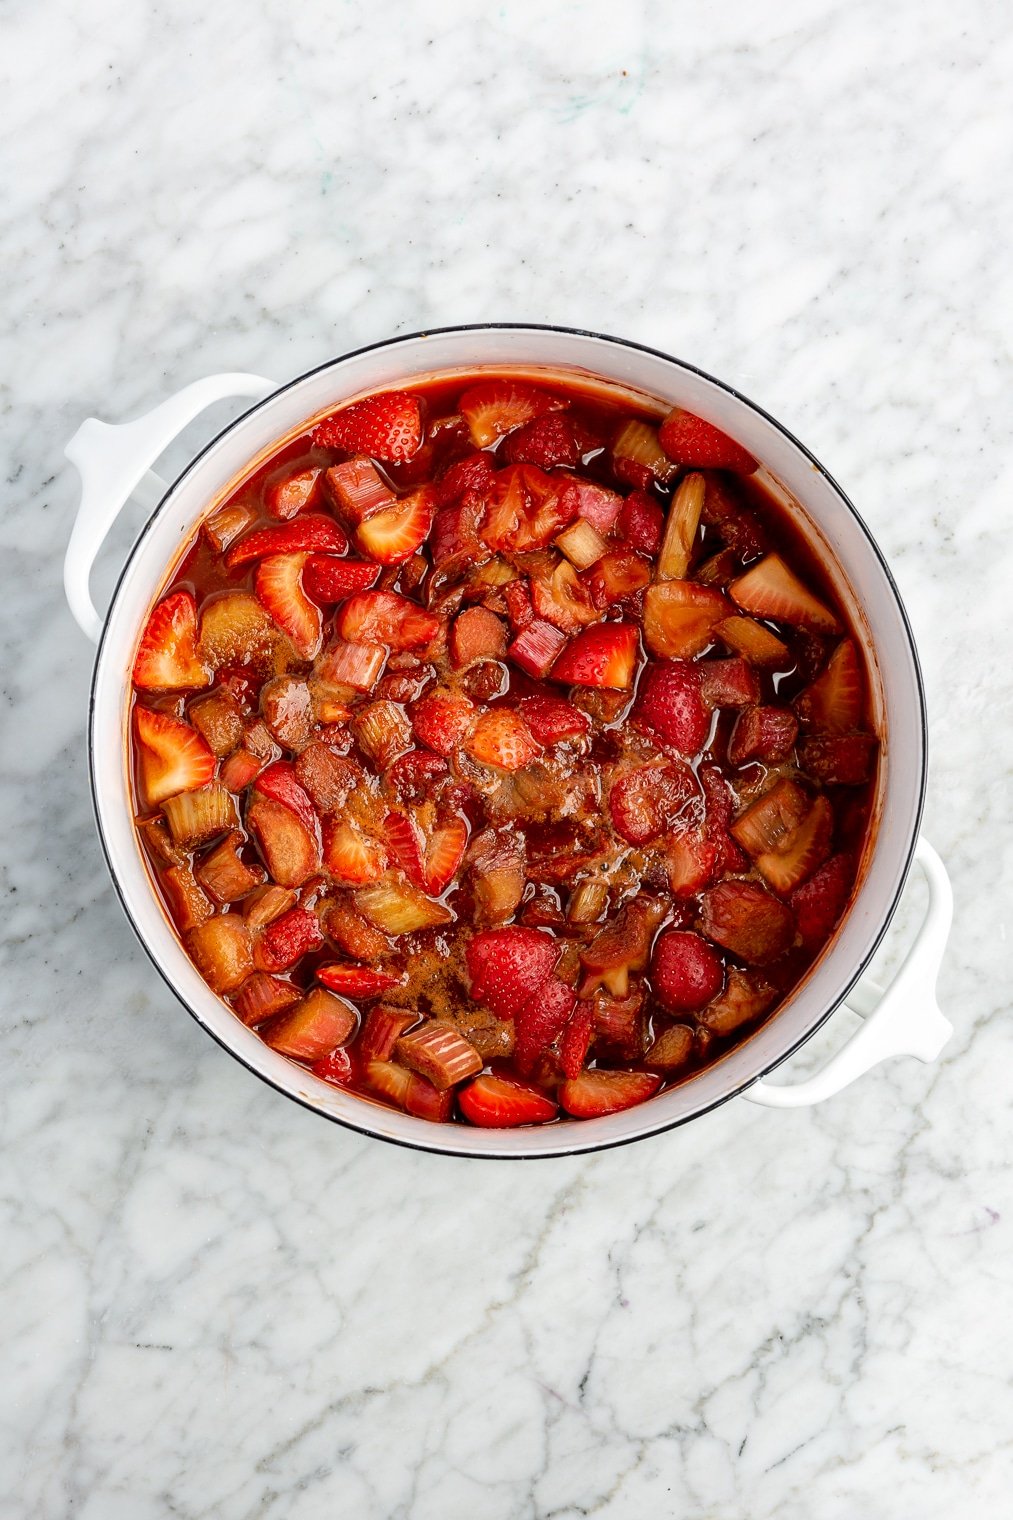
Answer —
214 1304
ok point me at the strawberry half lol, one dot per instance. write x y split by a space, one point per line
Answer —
833 703
279 590
500 1103
384 617
349 856
771 590
394 533
644 802
387 426
551 719
669 706
576 1040
166 658
172 757
508 966
467 479
596 1093
550 441
502 738
444 854
281 783
541 1021
442 720
327 579
603 655
818 904
689 440
312 533
291 494
641 523
495 407
287 940
526 509
335 1068
590 502
357 981
686 972
403 842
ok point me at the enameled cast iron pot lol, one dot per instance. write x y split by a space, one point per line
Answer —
114 465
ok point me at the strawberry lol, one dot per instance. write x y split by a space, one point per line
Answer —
357 489
357 981
596 1093
541 1020
287 940
562 598
477 634
838 759
643 803
503 739
404 845
281 783
587 501
686 972
833 703
690 860
313 533
536 647
166 658
638 458
290 850
171 756
641 523
444 854
762 733
279 589
728 683
734 523
412 778
239 769
818 903
719 809
508 966
336 1068
468 479
615 576
383 1028
350 932
349 856
384 617
500 1103
680 617
520 611
261 996
291 493
394 533
438 1052
549 441
313 1028
442 720
387 426
689 440
495 407
327 579
576 1040
551 719
770 589
767 822
670 707
603 655
806 847
526 509
744 918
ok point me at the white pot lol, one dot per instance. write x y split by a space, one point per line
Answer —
114 464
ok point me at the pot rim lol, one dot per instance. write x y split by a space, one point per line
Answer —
578 1148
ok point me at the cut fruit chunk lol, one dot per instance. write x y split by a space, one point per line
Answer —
588 901
442 720
439 1053
552 719
414 776
526 509
581 543
819 902
833 703
502 738
596 1093
728 683
327 579
349 856
166 658
575 1043
444 854
397 908
805 848
261 996
280 782
838 759
395 533
222 951
218 720
382 731
686 972
549 442
680 618
681 529
766 824
508 966
641 523
290 851
645 802
265 904
744 918
619 1028
616 576
745 997
357 489
496 867
563 599
540 1021
689 440
383 1028
387 426
236 630
671 1050
350 932
467 479
289 494
356 665
690 860
726 512
406 1090
240 769
762 733
670 707
287 940
752 641
357 981
638 458
325 777
335 1067
279 588
501 1103
477 634
536 647
312 533
495 407
622 946
288 710
224 526
187 903
592 503
771 590
313 1028
171 756
223 875
384 617
604 655
405 846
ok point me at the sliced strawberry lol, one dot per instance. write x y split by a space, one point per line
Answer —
686 972
312 533
641 523
768 821
166 658
771 590
562 599
587 501
752 641
442 721
818 904
603 655
403 842
336 1067
239 770
501 1103
576 1040
279 589
503 739
805 848
468 479
412 778
521 612
438 1052
349 856
719 810
690 859
508 966
327 579
833 703
444 854
281 783
495 407
540 1021
838 759
357 981
394 533
526 509
383 1028
537 646
384 617
644 803
289 494
762 733
680 618
596 1093
287 940
728 683
477 634
689 440
670 707
744 918
638 458
172 757
290 850
615 576
387 426
551 719
313 1028
549 441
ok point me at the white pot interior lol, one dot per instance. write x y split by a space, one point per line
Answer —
812 499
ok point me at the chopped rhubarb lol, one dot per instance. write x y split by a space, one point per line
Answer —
267 903
313 1028
398 908
477 634
581 543
762 733
261 996
744 918
280 782
217 718
806 847
357 489
728 683
222 951
638 458
224 876
291 493
194 817
754 642
767 823
680 529
382 731
437 1052
224 526
616 576
289 849
382 1030
680 618
188 903
536 647
746 995
355 665
235 629
841 759
671 1050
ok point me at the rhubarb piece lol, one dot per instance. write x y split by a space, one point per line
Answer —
350 857
669 707
520 611
563 599
617 575
501 1103
550 441
187 903
502 738
604 655
508 967
689 440
770 589
350 932
312 533
718 570
383 1028
325 777
622 946
588 901
805 848
820 901
680 529
833 703
358 981
680 618
496 864
262 996
398 908
641 523
222 951
762 733
313 1028
382 731
619 1025
596 1093
638 458
495 407
454 543
389 1082
166 658
592 502
289 849
766 824
477 634
468 479
327 579
540 1021
384 617
288 710
725 511
413 777
280 782
356 665
437 1052
395 533
267 903
686 972
745 997
387 426
690 860
217 718
224 876
444 854
224 526
289 494
744 918
335 1067
581 543
287 939
171 756
425 1101
728 683
236 630
536 647
442 721
752 641
644 803
239 770
194 817
357 489
672 1049
159 841
839 759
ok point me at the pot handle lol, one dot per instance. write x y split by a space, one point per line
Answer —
902 1020
114 465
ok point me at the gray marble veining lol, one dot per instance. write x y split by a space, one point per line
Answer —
213 1303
